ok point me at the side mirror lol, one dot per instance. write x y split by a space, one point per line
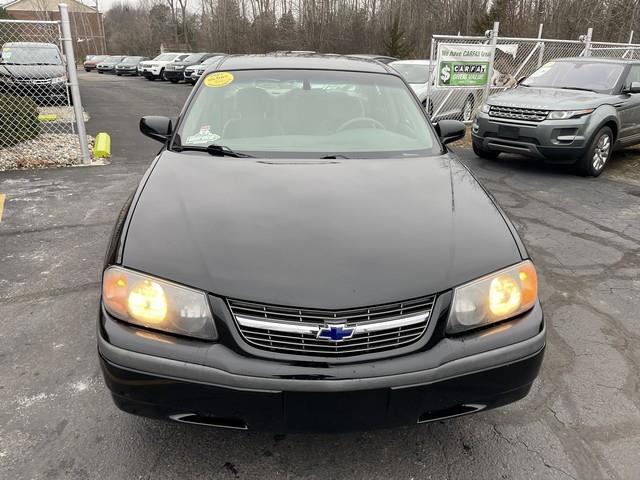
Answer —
158 128
634 88
450 130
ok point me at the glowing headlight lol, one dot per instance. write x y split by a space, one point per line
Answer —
566 114
484 108
496 297
153 303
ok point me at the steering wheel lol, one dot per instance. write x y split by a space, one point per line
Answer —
353 121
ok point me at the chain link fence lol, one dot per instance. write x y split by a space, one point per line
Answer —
513 58
37 119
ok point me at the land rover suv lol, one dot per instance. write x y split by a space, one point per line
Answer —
571 110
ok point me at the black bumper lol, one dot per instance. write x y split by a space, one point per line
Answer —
41 94
174 75
225 384
300 411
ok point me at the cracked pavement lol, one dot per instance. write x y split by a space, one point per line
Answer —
581 420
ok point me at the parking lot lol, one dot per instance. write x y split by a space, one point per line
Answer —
581 420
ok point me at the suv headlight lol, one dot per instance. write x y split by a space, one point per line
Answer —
57 80
494 298
484 108
178 67
567 114
153 303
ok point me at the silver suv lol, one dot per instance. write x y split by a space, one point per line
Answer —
571 110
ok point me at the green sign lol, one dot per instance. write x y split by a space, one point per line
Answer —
463 65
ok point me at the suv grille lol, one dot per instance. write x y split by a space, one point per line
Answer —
515 113
363 330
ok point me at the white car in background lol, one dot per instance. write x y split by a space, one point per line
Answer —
152 69
198 70
454 103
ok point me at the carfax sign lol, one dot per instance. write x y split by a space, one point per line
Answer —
463 65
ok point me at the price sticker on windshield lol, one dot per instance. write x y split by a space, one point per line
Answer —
219 79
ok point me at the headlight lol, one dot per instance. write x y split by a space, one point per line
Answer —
57 80
566 114
153 303
484 108
494 298
179 67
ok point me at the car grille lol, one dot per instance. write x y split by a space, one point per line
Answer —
514 113
295 330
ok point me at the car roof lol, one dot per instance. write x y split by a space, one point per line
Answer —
29 44
302 62
411 62
622 61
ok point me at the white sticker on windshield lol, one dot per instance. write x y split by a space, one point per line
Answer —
203 136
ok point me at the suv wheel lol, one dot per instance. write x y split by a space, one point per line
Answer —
466 115
595 158
162 75
486 154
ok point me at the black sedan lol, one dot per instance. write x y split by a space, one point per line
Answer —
306 255
174 71
130 66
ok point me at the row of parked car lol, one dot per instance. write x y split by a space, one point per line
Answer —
188 67
172 66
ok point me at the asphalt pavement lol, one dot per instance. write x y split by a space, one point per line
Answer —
581 420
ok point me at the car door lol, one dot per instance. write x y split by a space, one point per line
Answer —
629 109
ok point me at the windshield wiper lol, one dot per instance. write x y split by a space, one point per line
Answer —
334 156
213 149
578 88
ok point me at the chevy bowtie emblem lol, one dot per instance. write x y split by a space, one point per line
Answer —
336 333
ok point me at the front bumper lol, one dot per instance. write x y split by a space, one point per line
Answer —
42 94
107 69
150 71
559 141
174 74
127 71
161 376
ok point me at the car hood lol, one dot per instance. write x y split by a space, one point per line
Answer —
551 98
317 234
32 71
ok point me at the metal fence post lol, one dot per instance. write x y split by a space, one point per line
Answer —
587 43
542 45
430 77
73 82
494 42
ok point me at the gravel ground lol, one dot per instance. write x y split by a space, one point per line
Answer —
48 150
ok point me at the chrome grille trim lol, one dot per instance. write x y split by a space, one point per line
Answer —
295 330
516 113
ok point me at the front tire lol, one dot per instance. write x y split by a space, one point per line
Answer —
597 156
486 154
162 75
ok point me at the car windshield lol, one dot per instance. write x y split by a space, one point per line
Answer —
307 114
166 57
113 58
581 75
31 56
211 60
194 57
412 72
131 59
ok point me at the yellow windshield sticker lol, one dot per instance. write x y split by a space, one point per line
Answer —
219 79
